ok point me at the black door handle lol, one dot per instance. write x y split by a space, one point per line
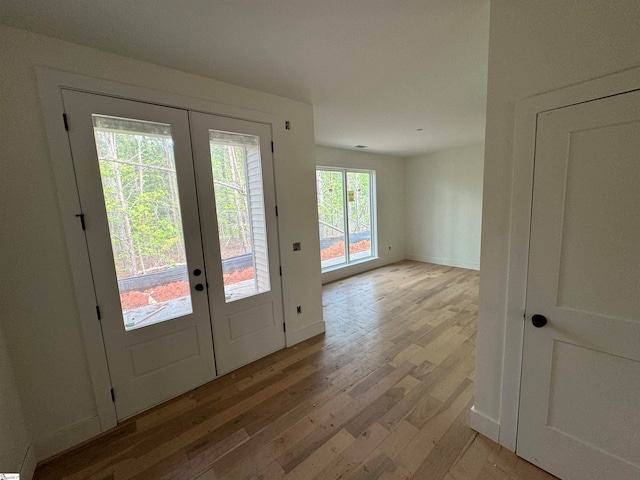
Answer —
199 287
197 272
539 321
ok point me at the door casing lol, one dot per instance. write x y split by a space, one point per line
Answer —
527 111
50 84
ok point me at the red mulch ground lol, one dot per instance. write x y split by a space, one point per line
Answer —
337 250
238 276
170 291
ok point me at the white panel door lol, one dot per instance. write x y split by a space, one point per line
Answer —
134 171
580 391
236 193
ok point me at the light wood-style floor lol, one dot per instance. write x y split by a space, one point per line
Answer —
384 394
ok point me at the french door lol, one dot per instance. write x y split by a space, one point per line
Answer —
234 166
183 251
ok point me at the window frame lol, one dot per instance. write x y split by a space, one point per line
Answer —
345 211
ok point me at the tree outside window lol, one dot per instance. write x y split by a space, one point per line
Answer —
345 206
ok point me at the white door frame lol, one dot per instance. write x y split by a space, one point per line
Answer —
526 114
50 83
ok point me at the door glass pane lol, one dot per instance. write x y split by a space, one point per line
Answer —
359 208
242 229
329 187
139 183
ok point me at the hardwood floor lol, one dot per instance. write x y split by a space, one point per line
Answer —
384 394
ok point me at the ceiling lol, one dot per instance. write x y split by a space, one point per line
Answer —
375 71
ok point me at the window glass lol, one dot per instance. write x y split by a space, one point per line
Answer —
139 184
237 181
345 205
359 213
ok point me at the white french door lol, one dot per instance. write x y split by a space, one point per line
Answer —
234 164
164 260
135 178
578 415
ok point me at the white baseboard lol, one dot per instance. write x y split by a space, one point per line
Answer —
356 268
28 464
449 262
305 333
485 425
66 438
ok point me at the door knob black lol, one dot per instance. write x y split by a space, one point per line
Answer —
539 321
199 287
197 272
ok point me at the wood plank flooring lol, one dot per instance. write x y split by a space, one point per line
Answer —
384 394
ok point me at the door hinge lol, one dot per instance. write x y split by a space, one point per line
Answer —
66 123
113 396
81 215
271 147
287 125
276 210
284 326
280 271
98 312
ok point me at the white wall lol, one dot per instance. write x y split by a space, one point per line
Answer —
444 207
39 311
390 204
16 452
534 47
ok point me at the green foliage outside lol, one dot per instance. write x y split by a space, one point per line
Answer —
331 198
142 200
229 178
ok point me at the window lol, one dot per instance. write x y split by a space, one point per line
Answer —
140 189
242 231
346 216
